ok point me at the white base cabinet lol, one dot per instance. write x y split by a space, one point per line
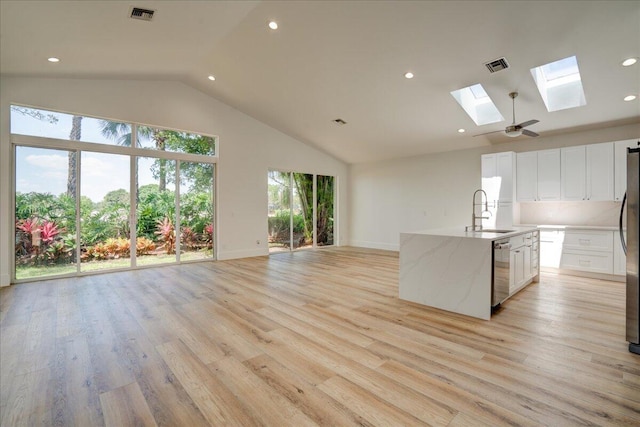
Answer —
588 250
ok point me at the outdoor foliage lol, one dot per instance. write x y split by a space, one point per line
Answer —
45 226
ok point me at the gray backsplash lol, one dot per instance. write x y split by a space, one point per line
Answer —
570 213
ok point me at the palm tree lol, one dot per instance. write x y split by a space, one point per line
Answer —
74 135
121 133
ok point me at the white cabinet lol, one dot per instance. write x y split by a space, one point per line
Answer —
599 171
489 173
620 166
497 182
588 250
538 175
573 173
523 259
549 175
551 247
497 176
527 176
517 269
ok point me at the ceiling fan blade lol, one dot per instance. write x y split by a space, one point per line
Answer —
528 123
487 133
529 133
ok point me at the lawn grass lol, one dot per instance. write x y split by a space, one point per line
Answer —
34 271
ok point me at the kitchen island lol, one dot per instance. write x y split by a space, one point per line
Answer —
452 269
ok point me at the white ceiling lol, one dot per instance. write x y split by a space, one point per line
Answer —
346 59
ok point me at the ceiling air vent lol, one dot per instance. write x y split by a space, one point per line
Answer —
339 122
497 65
143 14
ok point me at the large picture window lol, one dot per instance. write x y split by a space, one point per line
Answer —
94 195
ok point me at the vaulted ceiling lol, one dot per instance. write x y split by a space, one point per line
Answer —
347 60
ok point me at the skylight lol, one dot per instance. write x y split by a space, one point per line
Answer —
559 84
477 104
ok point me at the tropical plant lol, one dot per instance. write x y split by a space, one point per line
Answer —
167 234
144 246
48 231
28 225
188 237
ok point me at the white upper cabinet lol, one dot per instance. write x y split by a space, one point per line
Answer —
599 171
587 172
527 176
506 165
497 176
538 175
549 174
574 172
620 167
489 175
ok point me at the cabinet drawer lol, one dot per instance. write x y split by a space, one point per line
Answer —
588 240
596 262
518 241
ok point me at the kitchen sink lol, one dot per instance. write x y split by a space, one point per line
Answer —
487 230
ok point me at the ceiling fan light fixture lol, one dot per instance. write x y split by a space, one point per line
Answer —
514 133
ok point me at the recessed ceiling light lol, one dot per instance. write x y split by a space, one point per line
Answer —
408 75
53 59
629 97
212 78
461 130
629 61
273 25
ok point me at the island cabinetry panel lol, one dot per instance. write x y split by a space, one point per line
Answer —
446 272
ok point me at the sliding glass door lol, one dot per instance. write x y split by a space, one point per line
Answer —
45 212
279 211
302 198
301 210
196 211
105 207
325 217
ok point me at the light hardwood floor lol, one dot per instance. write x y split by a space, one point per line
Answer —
309 338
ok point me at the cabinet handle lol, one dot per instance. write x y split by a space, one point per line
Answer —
585 242
584 262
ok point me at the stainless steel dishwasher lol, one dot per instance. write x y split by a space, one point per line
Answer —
501 271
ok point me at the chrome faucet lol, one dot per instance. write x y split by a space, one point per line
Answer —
474 217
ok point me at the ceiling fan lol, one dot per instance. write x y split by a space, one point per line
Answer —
514 129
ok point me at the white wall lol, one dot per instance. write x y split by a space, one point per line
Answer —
433 191
248 149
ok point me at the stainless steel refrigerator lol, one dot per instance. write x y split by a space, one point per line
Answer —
631 248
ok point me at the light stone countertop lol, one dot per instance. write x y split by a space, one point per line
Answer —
460 232
572 227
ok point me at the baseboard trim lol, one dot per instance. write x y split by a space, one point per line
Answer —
591 275
221 256
375 245
5 280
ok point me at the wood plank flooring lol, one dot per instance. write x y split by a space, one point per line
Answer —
308 338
